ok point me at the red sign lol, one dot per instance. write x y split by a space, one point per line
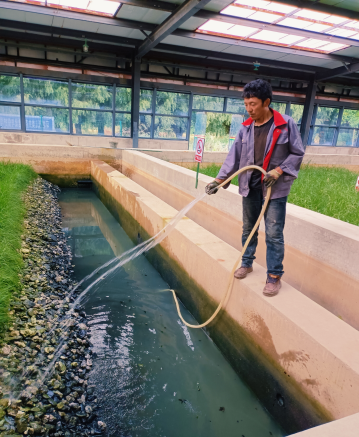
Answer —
357 184
199 149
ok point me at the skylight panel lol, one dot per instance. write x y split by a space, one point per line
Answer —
216 26
332 47
292 22
316 27
290 39
334 19
279 7
312 15
105 7
238 12
354 24
346 33
241 31
254 3
311 43
269 36
264 16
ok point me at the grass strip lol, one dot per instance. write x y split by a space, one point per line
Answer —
327 190
14 180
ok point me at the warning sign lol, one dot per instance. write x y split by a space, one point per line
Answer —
357 184
199 149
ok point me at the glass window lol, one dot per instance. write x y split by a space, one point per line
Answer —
172 103
350 118
123 99
91 96
170 127
327 116
278 106
10 117
236 106
123 125
46 92
296 112
39 119
347 138
10 89
215 127
92 122
208 103
146 100
323 136
144 129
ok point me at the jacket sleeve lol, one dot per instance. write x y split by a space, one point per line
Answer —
231 164
291 165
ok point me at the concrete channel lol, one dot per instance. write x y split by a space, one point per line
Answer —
299 351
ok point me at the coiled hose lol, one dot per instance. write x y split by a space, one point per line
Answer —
231 276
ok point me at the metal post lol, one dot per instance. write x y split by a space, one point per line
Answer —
22 107
190 104
114 110
308 112
339 122
154 97
136 83
71 130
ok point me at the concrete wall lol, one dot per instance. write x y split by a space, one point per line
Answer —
286 347
322 253
347 427
86 141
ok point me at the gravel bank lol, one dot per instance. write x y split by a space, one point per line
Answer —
45 358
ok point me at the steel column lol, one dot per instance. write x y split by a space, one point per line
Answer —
308 112
22 107
135 110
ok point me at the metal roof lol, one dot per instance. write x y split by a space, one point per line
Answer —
151 27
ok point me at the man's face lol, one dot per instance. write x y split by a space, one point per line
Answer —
256 108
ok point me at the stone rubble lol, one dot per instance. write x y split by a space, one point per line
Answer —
45 358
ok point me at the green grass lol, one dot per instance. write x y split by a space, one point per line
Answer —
14 179
327 190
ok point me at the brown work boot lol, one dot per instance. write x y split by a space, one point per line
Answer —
242 272
272 286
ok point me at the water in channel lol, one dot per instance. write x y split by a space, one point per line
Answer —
153 376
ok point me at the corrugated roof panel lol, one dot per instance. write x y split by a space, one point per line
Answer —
120 31
217 5
306 60
246 51
8 14
350 51
89 26
45 20
192 23
142 14
195 43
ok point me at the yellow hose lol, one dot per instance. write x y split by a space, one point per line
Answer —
231 276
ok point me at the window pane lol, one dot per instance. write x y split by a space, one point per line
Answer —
46 92
91 96
146 100
347 138
172 103
296 112
123 99
92 122
208 103
10 117
236 106
144 129
46 119
170 127
123 125
323 136
10 89
327 116
278 106
350 118
216 128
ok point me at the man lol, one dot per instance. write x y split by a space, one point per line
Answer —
271 141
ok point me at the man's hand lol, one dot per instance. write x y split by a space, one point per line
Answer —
271 177
212 187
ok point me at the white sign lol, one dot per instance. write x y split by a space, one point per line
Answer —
199 149
357 184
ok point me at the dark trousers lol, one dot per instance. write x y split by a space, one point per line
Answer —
274 218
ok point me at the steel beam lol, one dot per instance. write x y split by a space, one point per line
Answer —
136 84
308 112
178 17
340 71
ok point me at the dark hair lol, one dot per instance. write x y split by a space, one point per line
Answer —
258 88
